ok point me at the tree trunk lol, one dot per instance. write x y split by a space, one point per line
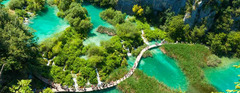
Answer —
1 72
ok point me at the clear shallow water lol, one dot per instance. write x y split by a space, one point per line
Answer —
47 23
5 2
223 78
160 66
94 36
163 68
110 90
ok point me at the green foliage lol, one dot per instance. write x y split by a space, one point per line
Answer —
217 44
18 48
233 40
112 16
16 4
35 5
114 44
94 60
63 5
104 3
81 81
177 30
124 62
117 74
57 48
137 51
141 83
59 76
77 18
198 33
150 34
222 44
47 90
61 14
155 34
21 13
23 86
31 5
106 30
95 50
191 59
130 34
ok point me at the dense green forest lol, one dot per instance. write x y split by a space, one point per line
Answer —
21 56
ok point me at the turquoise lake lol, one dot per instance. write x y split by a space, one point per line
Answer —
160 66
163 68
47 23
223 78
94 36
5 2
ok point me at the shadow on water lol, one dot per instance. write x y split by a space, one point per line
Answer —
92 34
44 11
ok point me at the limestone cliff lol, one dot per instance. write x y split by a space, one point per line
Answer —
158 5
200 12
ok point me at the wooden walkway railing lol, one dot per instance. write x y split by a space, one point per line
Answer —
59 88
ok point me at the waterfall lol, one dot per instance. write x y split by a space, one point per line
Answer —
75 81
88 83
129 54
53 64
98 78
64 68
49 61
144 39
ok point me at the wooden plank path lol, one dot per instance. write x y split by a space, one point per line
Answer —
59 88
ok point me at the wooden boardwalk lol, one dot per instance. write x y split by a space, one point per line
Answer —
59 88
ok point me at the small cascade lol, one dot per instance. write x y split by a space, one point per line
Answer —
98 78
88 83
64 68
49 61
144 39
129 53
53 64
75 81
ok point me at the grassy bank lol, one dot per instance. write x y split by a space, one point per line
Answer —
117 74
141 83
226 61
191 59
